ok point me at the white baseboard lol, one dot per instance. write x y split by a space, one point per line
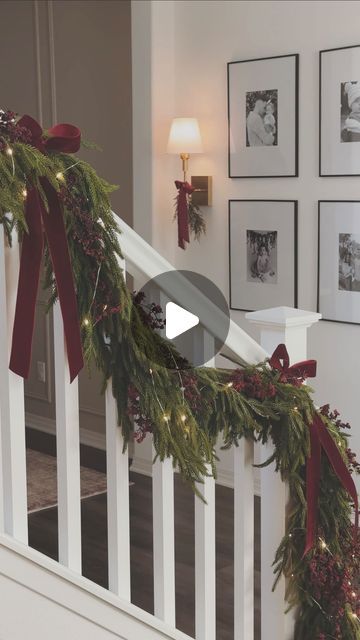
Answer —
224 477
139 465
48 425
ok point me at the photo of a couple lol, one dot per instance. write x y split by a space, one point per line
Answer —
261 118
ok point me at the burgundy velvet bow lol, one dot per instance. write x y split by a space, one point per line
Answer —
301 370
184 189
320 438
63 138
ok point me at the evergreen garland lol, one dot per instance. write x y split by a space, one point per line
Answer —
188 409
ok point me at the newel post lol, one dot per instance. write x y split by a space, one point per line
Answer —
289 326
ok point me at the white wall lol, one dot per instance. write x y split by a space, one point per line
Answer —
207 35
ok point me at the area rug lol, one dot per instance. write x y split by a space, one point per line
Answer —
42 481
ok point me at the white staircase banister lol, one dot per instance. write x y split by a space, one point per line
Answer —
144 259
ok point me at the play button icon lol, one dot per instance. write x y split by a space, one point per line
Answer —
196 314
178 320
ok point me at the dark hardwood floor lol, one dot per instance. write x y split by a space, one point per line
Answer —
43 536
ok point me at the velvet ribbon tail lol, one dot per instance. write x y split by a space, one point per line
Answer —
38 218
321 438
184 189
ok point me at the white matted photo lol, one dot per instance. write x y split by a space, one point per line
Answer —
263 117
262 254
340 112
339 261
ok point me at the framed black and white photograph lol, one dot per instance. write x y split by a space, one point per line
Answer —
263 117
339 261
262 254
340 112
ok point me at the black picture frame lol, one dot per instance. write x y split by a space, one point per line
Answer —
318 305
294 301
295 172
322 53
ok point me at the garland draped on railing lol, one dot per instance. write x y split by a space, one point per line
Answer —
266 403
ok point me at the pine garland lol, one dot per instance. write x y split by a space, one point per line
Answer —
188 409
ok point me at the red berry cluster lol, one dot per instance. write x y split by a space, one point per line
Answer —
333 415
87 233
142 423
333 585
191 391
11 131
150 314
253 385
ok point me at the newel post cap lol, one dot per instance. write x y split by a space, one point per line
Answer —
283 317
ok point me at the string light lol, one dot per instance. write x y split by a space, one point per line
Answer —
166 418
9 151
353 594
24 193
229 384
183 418
86 322
323 544
290 535
296 409
60 176
150 371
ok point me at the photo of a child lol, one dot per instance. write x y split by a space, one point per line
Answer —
261 118
261 256
349 262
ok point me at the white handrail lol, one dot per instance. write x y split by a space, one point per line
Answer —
142 258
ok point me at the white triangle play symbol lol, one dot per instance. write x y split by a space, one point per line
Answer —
178 320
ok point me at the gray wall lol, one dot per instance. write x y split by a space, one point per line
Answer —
70 61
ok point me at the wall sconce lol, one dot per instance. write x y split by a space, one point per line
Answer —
185 139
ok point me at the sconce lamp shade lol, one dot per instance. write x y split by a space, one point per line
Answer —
184 136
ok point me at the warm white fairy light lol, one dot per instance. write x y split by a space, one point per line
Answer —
183 417
86 322
24 193
166 418
60 176
323 544
9 151
229 384
290 535
353 594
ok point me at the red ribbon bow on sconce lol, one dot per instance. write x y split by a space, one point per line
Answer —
184 189
64 138
320 438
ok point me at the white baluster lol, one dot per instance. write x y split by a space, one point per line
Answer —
244 541
289 326
163 528
118 515
68 453
14 511
205 558
164 541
